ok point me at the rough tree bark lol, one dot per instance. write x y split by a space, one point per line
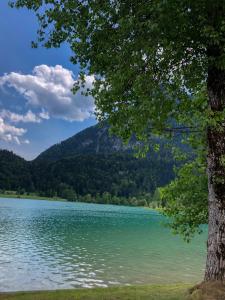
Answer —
215 264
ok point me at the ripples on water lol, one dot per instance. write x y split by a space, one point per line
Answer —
55 245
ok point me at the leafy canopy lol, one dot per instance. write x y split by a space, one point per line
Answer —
150 58
186 199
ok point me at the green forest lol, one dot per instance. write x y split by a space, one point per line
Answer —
92 166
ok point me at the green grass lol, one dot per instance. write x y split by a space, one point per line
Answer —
31 196
145 292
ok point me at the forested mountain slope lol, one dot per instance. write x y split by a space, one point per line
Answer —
91 162
93 140
15 172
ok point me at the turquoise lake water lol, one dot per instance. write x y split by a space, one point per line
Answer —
56 245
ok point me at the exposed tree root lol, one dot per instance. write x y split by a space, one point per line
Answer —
210 290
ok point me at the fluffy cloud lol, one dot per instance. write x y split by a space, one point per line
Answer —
29 117
10 133
44 115
49 88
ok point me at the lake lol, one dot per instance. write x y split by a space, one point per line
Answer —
57 245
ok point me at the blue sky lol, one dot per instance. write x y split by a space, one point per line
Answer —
37 108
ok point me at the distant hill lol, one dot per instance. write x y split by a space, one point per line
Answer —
92 163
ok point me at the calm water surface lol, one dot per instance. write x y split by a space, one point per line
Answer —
55 245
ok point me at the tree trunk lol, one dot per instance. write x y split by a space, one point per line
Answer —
215 264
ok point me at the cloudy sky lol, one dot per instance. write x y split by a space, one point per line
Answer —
37 108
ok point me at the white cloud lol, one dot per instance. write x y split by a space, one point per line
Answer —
44 115
50 89
10 133
29 117
26 142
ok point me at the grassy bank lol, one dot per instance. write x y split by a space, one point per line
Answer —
150 292
30 196
36 197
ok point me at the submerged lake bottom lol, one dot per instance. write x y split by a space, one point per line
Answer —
48 245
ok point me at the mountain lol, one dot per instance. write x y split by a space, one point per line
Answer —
93 140
90 164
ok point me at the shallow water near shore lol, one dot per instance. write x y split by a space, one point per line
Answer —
56 245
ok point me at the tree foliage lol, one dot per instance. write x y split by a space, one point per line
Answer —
150 60
186 199
149 57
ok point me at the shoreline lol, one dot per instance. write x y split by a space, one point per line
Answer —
151 292
35 197
31 197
